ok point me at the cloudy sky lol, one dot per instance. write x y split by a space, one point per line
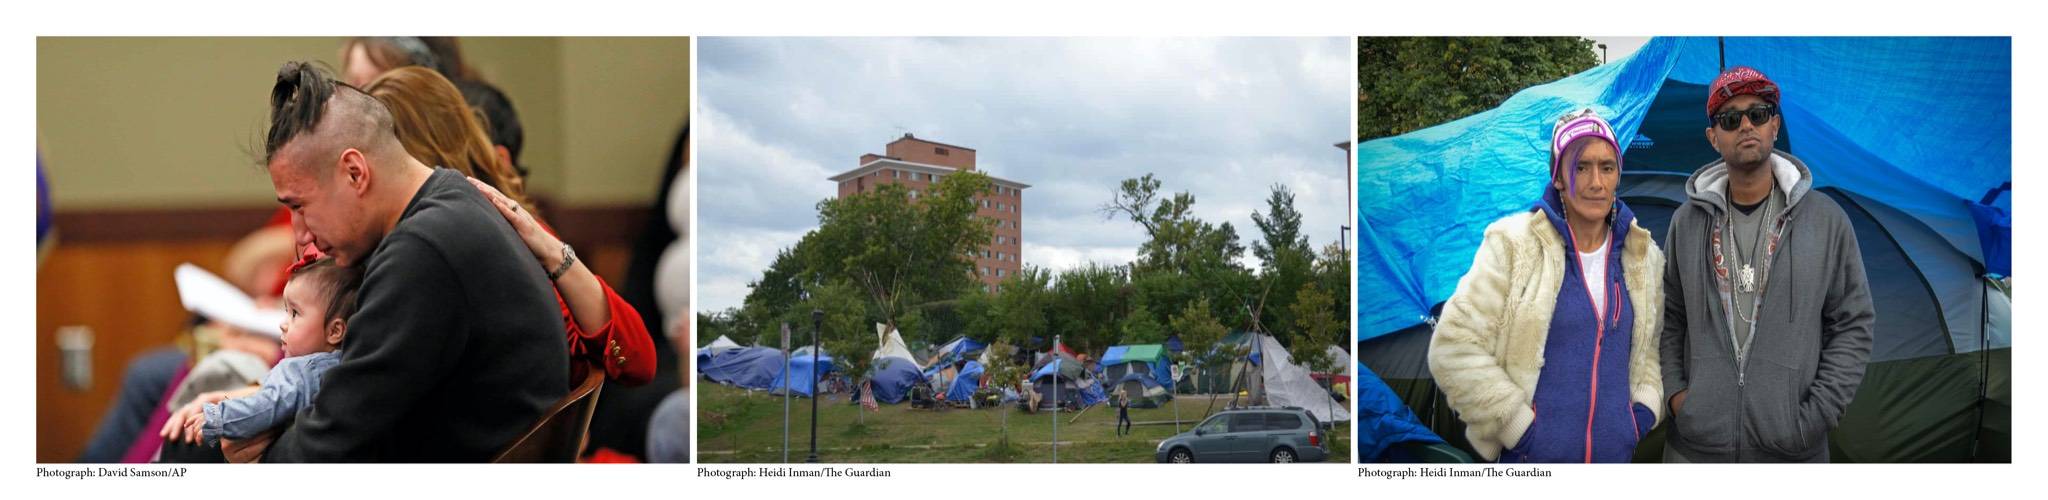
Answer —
1220 118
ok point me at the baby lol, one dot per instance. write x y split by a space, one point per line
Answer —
318 301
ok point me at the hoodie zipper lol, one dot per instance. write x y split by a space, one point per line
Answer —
1599 335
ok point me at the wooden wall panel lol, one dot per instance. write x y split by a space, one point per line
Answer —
125 293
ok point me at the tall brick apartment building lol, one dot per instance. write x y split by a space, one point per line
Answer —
916 164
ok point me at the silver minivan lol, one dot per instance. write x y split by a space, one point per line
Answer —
1258 434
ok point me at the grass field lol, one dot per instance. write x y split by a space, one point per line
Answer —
736 425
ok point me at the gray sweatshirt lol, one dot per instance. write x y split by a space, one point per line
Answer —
1776 400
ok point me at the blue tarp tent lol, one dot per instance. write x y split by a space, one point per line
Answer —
802 373
1072 380
965 383
748 367
1923 125
892 379
955 350
1384 421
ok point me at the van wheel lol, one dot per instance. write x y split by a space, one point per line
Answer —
1283 456
1181 456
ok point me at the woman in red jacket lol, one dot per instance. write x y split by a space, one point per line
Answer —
437 127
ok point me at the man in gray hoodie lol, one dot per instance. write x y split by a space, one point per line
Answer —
1767 314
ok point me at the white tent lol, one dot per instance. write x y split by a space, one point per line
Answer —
722 343
890 345
1288 384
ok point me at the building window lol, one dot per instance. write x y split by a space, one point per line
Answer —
941 151
913 194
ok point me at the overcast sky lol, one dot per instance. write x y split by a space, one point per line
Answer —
1220 118
1618 47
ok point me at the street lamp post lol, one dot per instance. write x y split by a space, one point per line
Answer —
817 323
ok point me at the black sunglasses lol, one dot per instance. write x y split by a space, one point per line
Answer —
1758 115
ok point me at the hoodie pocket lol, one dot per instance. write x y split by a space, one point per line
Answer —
1777 392
1707 421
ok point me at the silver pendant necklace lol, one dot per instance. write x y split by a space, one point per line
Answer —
1746 276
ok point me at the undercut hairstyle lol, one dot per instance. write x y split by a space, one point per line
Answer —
336 285
501 121
436 126
305 101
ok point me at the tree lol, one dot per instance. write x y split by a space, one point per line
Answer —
1408 83
1004 372
1333 275
1285 259
1315 326
1141 327
1019 311
896 250
782 285
977 310
1087 304
845 335
1178 241
1202 338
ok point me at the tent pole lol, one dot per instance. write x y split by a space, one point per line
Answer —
1721 49
1056 398
1983 367
785 392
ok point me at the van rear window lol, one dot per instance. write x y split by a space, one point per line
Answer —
1282 421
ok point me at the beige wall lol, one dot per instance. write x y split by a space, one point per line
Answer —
607 81
148 123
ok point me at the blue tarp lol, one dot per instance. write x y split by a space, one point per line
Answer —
966 382
748 367
1384 421
893 378
803 375
1922 125
957 349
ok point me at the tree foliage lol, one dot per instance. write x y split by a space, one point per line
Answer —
1409 83
898 251
1286 259
1203 337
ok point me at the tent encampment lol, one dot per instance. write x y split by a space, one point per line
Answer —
1143 372
1931 224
